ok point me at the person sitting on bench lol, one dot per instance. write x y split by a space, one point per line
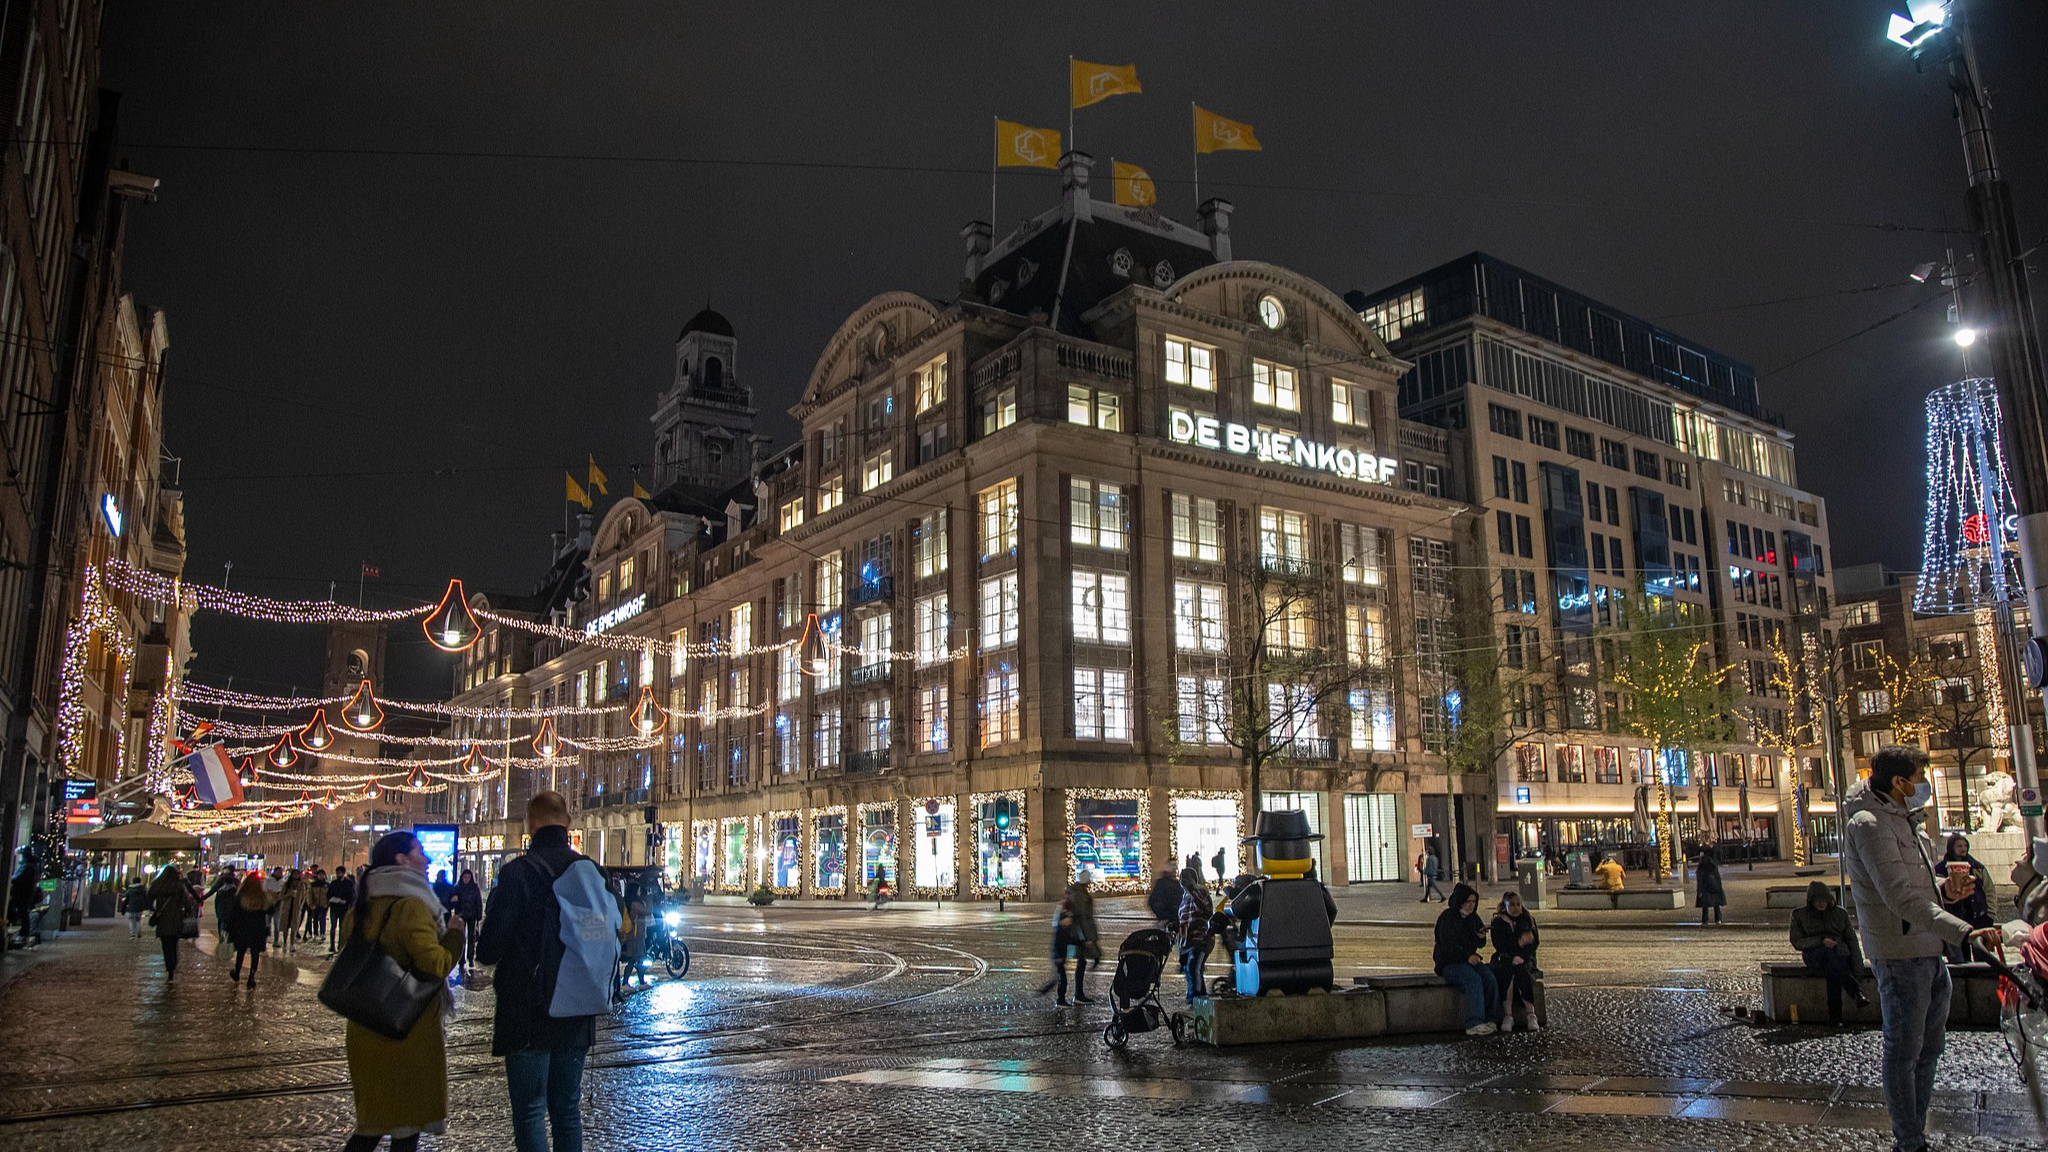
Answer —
1823 938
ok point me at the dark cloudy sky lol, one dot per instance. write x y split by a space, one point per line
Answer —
389 338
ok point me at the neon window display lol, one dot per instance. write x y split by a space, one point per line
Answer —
704 854
937 847
1203 824
674 847
785 851
878 846
828 834
1001 842
735 854
1108 838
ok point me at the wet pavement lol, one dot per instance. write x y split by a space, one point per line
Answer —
805 1027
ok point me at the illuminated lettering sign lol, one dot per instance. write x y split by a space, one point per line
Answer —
111 509
617 616
1279 448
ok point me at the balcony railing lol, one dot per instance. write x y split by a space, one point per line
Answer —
875 761
1309 748
876 673
872 591
1291 567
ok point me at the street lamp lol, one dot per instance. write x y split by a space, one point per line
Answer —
1937 32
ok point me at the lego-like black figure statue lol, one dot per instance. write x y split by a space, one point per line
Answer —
1286 913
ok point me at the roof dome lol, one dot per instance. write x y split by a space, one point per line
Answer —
709 322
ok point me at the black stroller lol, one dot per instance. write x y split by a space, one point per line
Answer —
1134 990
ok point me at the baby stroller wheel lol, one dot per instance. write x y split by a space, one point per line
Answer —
1178 1025
1114 1033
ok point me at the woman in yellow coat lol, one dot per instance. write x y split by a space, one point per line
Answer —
401 1086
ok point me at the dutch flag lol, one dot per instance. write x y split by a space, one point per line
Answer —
214 776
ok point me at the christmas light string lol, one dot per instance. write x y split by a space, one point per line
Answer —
155 586
95 617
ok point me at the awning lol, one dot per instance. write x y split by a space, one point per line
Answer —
136 836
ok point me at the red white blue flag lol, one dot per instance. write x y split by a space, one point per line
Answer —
214 777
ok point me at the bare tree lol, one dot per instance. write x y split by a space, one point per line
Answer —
1498 669
1961 721
1673 694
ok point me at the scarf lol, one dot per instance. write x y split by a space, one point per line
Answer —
399 880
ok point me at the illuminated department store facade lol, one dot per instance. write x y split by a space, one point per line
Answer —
1023 524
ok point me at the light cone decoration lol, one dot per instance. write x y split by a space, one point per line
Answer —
372 792
811 654
451 627
331 801
316 734
282 754
362 712
545 741
474 762
649 717
416 778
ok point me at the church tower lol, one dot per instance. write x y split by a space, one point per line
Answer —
704 423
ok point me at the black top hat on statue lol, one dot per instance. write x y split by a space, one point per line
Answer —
1285 824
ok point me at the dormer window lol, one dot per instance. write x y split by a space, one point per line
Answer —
625 575
604 585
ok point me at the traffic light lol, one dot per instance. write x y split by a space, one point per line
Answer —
1003 815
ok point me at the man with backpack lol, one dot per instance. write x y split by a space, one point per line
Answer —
551 928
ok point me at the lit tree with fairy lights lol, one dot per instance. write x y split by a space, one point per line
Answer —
1673 696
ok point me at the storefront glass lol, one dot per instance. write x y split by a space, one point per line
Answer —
703 836
675 847
878 847
1001 849
785 851
735 873
1375 843
828 837
1107 840
936 846
1202 825
1311 803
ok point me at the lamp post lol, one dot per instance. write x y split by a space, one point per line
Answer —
2001 316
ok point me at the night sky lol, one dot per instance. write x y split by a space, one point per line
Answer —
389 337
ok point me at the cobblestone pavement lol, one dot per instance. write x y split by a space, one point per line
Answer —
914 1028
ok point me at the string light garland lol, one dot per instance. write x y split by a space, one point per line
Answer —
1971 539
158 588
95 617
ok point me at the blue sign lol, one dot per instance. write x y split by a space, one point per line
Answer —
438 840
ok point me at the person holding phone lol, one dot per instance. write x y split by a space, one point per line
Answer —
1976 907
1904 928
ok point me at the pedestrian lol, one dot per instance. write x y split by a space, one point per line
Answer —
341 895
1432 870
469 904
1514 962
444 889
248 918
1073 932
1903 929
1822 937
1611 873
633 938
316 906
1164 900
544 1054
171 908
1708 891
24 891
1459 936
291 900
1974 909
222 893
134 902
401 1086
1216 862
1197 908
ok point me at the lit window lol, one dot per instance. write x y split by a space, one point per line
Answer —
999 519
878 470
1197 528
625 575
1291 712
1283 535
931 544
1190 364
1362 552
931 385
999 611
791 514
831 494
877 638
1094 408
999 411
742 627
604 586
1372 720
1098 514
1273 386
789 676
1390 318
1197 616
1102 704
1102 607
1366 635
1001 709
1201 709
934 628
1289 624
1350 404
931 718
827 572
825 728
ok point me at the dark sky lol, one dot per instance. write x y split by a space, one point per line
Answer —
347 322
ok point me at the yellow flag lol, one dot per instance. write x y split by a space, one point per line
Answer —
1094 82
1020 147
597 480
640 492
1213 133
1133 187
576 493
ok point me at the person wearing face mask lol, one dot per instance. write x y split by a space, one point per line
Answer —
1904 929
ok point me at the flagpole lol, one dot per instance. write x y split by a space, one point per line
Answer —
1195 139
994 156
361 575
1070 104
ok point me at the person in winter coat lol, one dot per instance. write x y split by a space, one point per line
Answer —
1197 908
134 902
401 1086
1822 937
1164 900
1514 961
1974 909
341 896
172 906
1899 897
469 904
1709 893
1460 934
1611 874
1431 870
248 920
284 915
222 893
1073 931
316 906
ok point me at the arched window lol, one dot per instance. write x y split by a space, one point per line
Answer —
714 374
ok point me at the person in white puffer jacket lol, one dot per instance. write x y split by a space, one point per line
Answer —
1899 919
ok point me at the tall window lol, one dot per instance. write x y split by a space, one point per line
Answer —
999 411
1102 704
1201 709
877 637
1362 549
1197 528
931 718
831 493
1098 514
791 514
934 628
1350 404
1001 707
931 385
741 626
827 737
1102 607
1365 628
1291 711
789 676
1197 616
878 470
1190 364
1372 719
827 577
999 519
1283 535
1289 625
1273 386
999 611
1095 408
874 724
931 544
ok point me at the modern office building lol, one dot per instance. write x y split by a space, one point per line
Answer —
1612 458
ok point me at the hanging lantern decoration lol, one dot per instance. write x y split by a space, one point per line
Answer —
812 656
372 792
331 801
545 741
362 712
451 627
282 754
474 762
649 717
316 734
249 772
305 798
416 778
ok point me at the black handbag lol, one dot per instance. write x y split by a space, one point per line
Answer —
367 987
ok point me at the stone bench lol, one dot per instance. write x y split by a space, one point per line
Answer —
1790 985
1426 1002
1399 1004
1604 900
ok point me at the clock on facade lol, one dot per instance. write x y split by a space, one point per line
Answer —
1271 314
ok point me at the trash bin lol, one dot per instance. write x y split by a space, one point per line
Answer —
1581 874
1529 875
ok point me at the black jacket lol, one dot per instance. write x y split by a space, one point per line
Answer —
1164 900
469 902
1507 936
1709 892
514 938
341 890
1459 935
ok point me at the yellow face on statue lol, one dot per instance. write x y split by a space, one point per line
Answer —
1283 869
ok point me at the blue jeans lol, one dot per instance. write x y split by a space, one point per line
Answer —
1914 996
1482 991
546 1085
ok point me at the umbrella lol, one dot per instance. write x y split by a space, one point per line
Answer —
136 836
1742 804
1710 832
1642 814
